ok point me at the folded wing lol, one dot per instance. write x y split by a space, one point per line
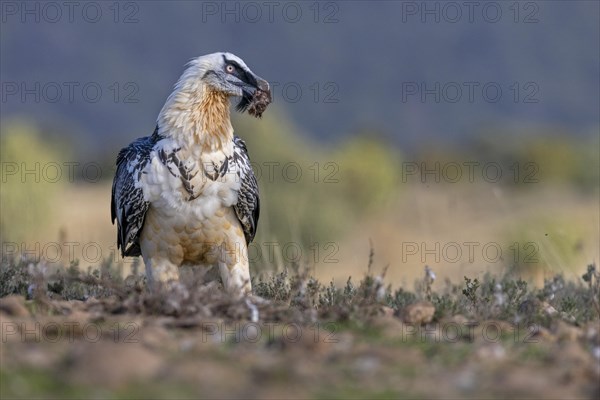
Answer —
128 206
247 207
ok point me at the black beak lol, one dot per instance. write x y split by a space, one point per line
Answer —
253 84
263 85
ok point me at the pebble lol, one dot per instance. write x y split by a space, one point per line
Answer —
419 313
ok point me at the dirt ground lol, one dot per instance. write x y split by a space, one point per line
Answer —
256 348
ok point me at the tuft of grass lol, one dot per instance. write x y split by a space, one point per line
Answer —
14 277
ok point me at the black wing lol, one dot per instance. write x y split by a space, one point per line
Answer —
128 205
247 207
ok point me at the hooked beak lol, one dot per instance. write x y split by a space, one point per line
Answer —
249 90
263 85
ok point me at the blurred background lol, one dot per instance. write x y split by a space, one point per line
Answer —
461 137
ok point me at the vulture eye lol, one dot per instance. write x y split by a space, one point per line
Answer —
229 68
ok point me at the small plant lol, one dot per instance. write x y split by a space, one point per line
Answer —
592 278
276 288
470 290
402 298
14 277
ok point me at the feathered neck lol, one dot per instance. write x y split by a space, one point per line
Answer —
196 115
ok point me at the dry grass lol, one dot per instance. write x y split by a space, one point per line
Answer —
562 225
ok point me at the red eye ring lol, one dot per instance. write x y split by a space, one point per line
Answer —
230 68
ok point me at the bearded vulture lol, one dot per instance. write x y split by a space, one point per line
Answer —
187 195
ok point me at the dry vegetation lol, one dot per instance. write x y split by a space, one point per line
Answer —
93 334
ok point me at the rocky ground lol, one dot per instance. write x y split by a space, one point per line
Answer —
89 336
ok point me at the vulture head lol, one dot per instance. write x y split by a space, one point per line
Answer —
227 73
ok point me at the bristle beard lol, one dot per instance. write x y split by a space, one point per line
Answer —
243 104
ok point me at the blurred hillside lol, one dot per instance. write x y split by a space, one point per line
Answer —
337 67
